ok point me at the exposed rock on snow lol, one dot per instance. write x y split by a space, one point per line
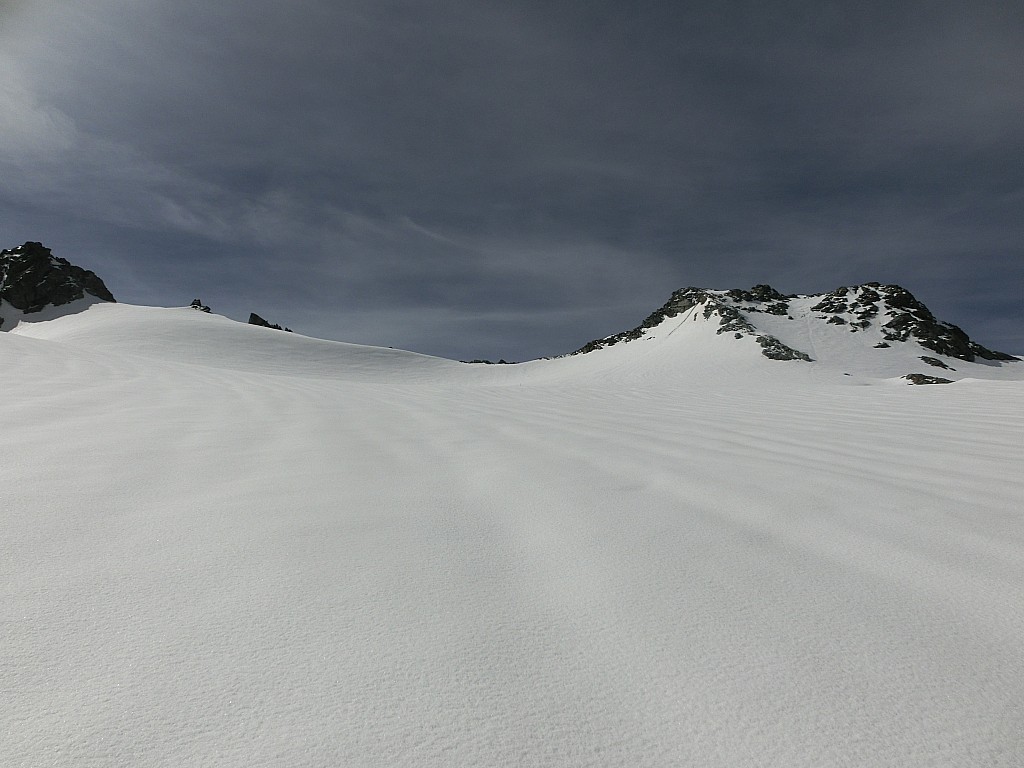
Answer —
921 378
774 349
892 311
255 319
32 278
906 318
730 319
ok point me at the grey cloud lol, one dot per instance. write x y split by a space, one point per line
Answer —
489 163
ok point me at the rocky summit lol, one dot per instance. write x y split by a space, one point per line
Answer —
903 318
797 327
32 278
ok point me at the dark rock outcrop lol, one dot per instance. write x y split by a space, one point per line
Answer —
761 294
907 319
197 304
920 378
255 319
936 362
859 303
774 349
32 278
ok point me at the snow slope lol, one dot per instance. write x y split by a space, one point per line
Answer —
226 545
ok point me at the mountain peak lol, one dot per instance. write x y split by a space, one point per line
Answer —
32 278
770 318
905 318
720 305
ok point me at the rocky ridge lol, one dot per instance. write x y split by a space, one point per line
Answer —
906 318
892 313
32 278
255 319
721 305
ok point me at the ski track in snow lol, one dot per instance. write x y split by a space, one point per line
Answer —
399 561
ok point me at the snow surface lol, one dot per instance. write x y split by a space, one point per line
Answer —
223 545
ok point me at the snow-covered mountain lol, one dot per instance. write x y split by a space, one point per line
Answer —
222 544
870 329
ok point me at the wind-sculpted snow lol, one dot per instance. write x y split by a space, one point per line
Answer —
226 545
182 335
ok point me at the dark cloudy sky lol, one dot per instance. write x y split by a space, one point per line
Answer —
474 178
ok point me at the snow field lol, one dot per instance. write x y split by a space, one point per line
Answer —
224 545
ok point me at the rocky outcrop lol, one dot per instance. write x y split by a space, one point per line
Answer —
255 319
905 318
32 278
892 312
679 302
719 305
920 378
774 349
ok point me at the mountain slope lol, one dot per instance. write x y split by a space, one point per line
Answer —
182 335
228 545
868 331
